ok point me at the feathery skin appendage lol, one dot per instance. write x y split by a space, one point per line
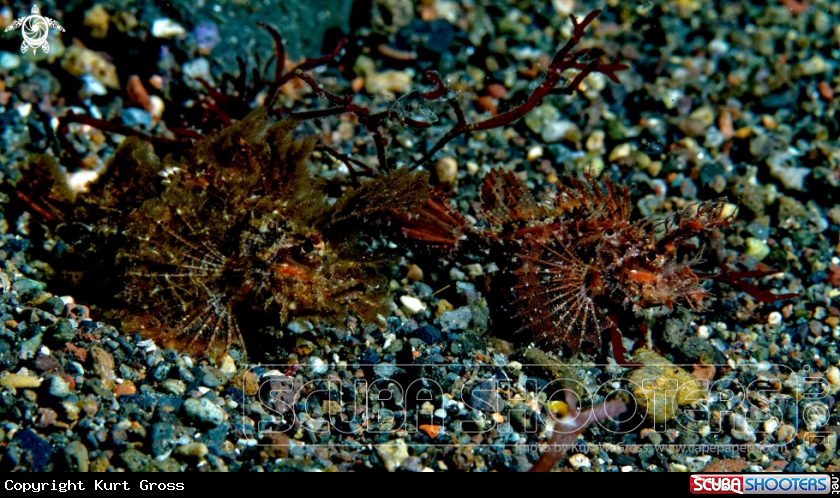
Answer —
506 200
241 223
552 295
436 225
575 252
691 221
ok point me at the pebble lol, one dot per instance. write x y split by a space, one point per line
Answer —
413 304
137 92
211 380
812 66
595 141
457 275
156 107
757 248
431 430
174 386
661 387
473 168
741 429
556 131
30 346
228 366
103 364
792 177
246 381
167 28
38 448
474 270
19 381
137 118
729 209
163 438
447 169
206 36
697 122
195 450
317 365
386 370
620 151
80 61
579 461
59 387
204 410
388 83
198 68
427 334
415 274
9 61
537 119
392 454
76 456
299 326
97 19
833 376
653 436
456 320
774 318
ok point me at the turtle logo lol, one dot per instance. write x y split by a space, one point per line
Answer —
35 29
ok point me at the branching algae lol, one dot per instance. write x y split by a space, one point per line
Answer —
237 223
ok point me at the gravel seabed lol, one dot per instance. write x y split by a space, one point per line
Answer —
722 99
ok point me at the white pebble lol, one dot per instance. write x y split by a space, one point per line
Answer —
474 270
833 376
317 365
774 318
741 429
535 153
555 131
728 210
457 275
156 109
703 332
167 28
195 69
23 110
93 86
9 61
228 367
718 47
78 181
579 460
413 304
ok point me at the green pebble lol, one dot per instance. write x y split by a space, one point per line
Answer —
757 248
